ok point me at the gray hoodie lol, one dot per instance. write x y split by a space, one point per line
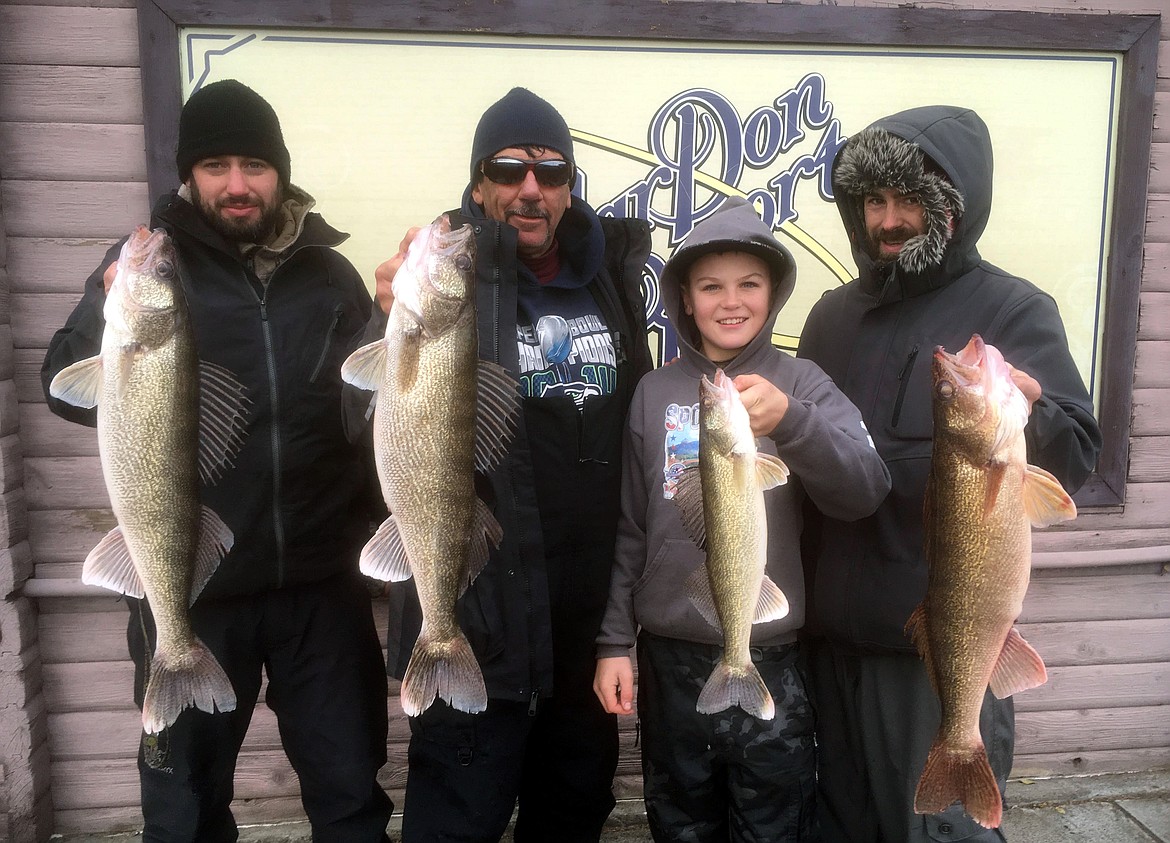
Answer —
821 438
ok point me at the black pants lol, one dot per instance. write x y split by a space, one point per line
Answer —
725 776
468 770
876 718
327 686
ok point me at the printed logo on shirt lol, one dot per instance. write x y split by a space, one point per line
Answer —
682 444
572 357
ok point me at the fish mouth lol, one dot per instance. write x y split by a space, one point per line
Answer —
966 366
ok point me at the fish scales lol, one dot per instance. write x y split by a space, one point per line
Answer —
441 414
982 499
146 384
722 504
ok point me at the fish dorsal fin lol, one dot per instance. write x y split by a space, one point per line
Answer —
771 471
79 384
486 534
366 367
110 566
223 414
384 556
688 497
1018 668
1045 500
698 590
498 402
215 540
772 605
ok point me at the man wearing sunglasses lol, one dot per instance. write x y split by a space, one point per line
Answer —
560 307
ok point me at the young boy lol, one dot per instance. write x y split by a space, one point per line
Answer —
725 776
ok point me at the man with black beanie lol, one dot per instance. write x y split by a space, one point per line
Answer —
914 192
271 301
560 306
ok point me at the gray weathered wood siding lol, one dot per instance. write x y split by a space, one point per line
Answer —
72 180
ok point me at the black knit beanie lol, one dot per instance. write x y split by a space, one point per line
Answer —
229 118
520 118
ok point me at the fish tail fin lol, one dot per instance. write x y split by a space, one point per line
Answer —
731 685
193 678
962 773
444 669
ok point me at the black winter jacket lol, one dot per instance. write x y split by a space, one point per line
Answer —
298 497
870 574
533 613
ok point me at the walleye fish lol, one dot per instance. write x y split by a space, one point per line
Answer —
722 504
441 414
982 498
157 442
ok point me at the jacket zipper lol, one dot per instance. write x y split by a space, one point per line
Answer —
270 361
903 383
328 343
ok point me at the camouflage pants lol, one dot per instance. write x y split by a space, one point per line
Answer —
726 776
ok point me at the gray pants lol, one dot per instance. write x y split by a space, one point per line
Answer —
876 718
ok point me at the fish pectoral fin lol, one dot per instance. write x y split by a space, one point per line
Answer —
688 497
771 471
366 366
1045 500
384 556
110 566
127 354
772 605
486 534
215 540
996 470
498 403
698 590
223 417
79 384
1018 668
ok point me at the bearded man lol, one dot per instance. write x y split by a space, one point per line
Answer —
274 303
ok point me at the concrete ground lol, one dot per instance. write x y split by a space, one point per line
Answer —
1113 808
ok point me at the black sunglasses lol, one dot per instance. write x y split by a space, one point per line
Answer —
513 171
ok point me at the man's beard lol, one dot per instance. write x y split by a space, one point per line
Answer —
898 235
240 230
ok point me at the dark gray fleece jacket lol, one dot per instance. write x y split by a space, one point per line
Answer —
821 438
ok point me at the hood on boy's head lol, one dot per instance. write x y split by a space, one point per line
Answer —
942 153
734 227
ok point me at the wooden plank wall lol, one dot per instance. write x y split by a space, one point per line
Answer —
72 179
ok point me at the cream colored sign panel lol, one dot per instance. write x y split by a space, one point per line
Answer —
380 126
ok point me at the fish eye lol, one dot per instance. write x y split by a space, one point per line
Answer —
463 263
945 390
165 268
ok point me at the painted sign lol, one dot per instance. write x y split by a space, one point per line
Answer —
380 126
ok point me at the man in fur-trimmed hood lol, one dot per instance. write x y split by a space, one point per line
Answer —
914 193
941 157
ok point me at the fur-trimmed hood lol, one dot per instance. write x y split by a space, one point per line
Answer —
944 154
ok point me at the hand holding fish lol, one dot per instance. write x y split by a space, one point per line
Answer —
1026 384
614 684
765 402
109 275
384 274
